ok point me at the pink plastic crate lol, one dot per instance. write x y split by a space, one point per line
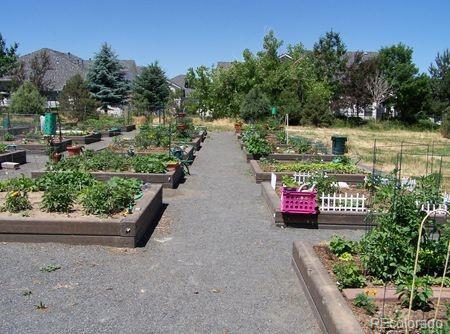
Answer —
294 201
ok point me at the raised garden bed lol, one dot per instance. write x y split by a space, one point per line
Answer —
290 156
40 147
323 220
336 311
17 130
128 128
19 156
112 133
170 179
85 139
261 175
117 231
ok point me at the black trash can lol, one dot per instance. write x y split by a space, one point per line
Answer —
338 144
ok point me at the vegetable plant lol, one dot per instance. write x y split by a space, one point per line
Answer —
16 201
348 275
108 198
362 300
339 245
421 296
58 199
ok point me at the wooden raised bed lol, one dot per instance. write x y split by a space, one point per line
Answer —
19 156
329 306
128 128
17 130
43 148
323 220
111 133
87 139
117 232
291 156
261 176
168 180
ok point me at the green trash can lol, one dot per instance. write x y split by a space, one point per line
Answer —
50 124
6 122
338 145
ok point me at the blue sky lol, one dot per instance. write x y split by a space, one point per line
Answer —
181 34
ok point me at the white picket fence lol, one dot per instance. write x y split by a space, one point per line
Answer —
444 206
343 202
331 202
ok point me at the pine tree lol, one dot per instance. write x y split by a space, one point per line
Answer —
106 78
8 57
75 100
27 100
150 89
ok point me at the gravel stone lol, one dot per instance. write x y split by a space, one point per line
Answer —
215 264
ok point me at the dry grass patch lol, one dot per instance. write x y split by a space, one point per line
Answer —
418 147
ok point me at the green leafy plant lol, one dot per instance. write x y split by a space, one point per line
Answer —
289 182
108 198
16 201
363 301
348 275
257 145
300 144
340 246
8 136
421 296
148 164
3 148
21 183
72 180
324 184
50 268
58 199
346 257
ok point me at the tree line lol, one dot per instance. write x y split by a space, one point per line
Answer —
312 86
103 86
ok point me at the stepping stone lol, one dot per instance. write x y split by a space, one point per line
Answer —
10 165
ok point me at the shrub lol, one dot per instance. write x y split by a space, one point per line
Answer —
16 201
348 275
58 199
363 301
27 100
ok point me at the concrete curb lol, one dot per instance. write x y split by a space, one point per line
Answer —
330 307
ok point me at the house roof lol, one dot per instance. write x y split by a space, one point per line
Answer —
179 80
65 65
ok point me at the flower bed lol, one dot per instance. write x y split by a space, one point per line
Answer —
105 164
72 207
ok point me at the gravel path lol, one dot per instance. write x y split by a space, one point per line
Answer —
215 264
